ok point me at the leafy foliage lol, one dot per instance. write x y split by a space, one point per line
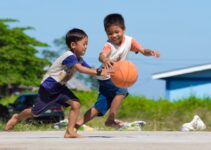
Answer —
60 43
50 55
18 61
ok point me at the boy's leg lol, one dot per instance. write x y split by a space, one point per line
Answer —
25 114
89 115
72 117
111 122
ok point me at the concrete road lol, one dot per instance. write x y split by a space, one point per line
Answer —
106 140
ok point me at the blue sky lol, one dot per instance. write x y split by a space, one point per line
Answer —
180 30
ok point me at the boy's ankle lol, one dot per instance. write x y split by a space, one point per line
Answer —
109 122
77 126
113 124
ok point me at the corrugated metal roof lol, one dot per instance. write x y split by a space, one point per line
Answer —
181 71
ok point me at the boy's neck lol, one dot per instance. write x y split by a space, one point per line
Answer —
123 40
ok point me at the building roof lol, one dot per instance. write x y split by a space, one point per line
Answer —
181 71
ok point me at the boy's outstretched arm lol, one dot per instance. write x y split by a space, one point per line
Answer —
91 71
148 52
138 48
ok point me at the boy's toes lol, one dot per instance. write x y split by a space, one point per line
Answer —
113 124
72 135
11 123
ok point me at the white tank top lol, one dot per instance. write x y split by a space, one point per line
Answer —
60 72
118 52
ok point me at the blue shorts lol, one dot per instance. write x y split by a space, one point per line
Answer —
107 91
47 98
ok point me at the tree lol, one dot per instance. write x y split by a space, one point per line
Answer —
50 55
18 61
60 43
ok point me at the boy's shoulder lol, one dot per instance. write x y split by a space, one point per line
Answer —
67 54
127 37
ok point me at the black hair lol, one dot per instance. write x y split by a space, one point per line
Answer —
74 35
114 19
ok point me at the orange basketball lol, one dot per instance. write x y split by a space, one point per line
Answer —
125 74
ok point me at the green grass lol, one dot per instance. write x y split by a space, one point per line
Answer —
160 115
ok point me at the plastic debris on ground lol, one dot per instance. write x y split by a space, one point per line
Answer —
195 125
63 124
133 126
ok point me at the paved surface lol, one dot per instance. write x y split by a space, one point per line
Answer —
112 140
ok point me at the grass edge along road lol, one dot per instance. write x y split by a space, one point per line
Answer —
159 115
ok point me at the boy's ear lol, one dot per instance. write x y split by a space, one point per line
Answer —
72 45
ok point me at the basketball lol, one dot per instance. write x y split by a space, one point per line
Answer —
124 74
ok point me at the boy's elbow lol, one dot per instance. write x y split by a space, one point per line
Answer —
79 68
83 69
100 57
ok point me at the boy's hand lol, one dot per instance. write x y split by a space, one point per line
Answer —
105 72
148 52
155 54
108 64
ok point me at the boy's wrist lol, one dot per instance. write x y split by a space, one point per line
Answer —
99 71
105 60
144 51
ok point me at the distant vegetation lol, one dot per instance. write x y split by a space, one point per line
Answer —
20 64
159 115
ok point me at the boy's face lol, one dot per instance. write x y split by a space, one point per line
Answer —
115 34
79 48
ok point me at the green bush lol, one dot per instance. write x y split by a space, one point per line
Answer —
159 114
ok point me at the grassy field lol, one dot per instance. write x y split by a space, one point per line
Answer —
160 115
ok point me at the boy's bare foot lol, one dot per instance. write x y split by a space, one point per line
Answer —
72 135
12 122
114 124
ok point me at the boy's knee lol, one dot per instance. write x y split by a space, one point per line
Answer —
76 105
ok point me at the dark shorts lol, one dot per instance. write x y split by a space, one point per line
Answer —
107 91
47 98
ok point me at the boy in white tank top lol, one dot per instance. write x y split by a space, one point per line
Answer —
116 48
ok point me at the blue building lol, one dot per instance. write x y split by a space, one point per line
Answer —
185 82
